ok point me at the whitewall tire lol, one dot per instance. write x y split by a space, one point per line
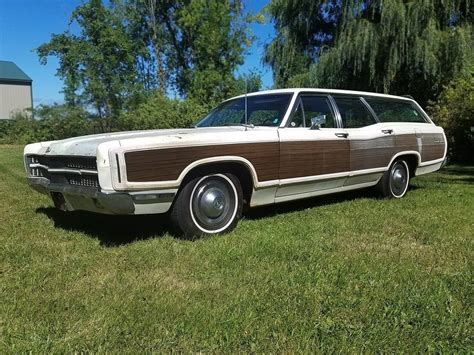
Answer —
209 204
394 182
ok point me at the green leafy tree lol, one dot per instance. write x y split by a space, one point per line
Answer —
393 46
197 44
303 29
248 82
455 112
98 65
127 48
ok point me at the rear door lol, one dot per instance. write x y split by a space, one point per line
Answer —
414 131
312 158
371 144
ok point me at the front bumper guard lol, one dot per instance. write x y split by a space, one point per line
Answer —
115 202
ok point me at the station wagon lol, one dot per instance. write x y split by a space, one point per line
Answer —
257 149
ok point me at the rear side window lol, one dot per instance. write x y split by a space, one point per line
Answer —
395 111
354 113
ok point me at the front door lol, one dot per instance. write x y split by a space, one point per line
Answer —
314 152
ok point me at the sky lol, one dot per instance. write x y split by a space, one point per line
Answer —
26 24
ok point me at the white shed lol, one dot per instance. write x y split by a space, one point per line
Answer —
15 90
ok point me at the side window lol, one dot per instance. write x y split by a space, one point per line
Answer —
298 118
313 107
354 113
395 111
317 107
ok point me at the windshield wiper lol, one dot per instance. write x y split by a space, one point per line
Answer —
248 125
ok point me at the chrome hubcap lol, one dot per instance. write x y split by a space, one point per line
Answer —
213 203
399 179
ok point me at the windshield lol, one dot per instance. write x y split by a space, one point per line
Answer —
262 110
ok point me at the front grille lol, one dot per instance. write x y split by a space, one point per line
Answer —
81 163
76 171
38 172
86 181
59 162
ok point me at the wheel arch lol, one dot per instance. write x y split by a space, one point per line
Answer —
238 166
412 157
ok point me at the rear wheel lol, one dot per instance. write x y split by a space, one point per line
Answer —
394 182
208 205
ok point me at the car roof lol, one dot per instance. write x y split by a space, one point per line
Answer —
324 91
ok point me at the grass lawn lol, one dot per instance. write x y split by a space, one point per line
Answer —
348 272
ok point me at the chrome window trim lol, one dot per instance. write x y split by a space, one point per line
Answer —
371 110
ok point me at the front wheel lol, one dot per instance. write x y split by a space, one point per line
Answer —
208 205
394 182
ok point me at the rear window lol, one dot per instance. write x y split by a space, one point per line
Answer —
395 111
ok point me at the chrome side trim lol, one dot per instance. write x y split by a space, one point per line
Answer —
324 192
431 162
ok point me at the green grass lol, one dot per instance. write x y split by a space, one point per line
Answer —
348 272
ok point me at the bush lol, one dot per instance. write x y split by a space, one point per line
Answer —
5 128
51 123
61 121
454 111
161 112
20 129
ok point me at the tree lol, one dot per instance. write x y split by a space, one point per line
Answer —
98 65
303 29
390 46
454 111
198 43
129 47
248 82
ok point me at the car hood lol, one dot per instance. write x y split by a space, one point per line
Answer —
87 145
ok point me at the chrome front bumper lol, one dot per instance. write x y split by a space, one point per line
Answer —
114 202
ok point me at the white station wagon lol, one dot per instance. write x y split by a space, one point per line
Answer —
258 149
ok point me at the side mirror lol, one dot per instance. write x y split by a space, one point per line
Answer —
318 121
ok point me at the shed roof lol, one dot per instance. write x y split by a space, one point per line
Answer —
10 72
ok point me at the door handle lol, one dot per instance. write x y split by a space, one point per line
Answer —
387 131
342 134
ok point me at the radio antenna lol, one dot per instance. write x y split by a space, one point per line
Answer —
246 118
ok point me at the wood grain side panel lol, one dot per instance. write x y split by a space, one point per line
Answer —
309 158
294 159
406 142
378 152
167 164
433 146
372 153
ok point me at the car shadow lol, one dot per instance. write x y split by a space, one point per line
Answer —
312 202
113 230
